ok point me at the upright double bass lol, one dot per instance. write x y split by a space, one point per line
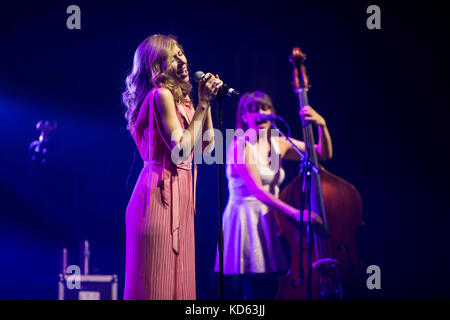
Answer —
334 265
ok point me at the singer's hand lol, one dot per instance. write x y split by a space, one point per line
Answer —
208 87
311 115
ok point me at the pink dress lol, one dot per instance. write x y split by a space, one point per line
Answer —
160 249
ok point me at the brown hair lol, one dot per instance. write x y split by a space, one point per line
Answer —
247 100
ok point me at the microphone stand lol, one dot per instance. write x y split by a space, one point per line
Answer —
305 170
219 101
305 200
301 154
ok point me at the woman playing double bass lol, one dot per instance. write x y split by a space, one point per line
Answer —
252 249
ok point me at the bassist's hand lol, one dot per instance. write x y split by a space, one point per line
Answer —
311 115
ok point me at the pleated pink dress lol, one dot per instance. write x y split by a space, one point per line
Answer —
160 248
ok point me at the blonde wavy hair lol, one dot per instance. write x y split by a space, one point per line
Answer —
150 69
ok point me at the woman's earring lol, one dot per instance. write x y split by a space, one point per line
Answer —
244 120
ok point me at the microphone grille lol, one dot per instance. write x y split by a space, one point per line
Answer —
198 76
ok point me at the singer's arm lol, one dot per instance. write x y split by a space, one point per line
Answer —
182 139
208 127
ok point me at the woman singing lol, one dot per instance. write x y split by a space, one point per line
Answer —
160 257
252 248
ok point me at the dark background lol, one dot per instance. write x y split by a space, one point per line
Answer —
382 92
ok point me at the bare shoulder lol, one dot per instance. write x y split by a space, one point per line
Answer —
163 94
164 100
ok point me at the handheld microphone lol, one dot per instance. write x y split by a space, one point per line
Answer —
228 90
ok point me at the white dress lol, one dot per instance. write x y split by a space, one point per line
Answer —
251 242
